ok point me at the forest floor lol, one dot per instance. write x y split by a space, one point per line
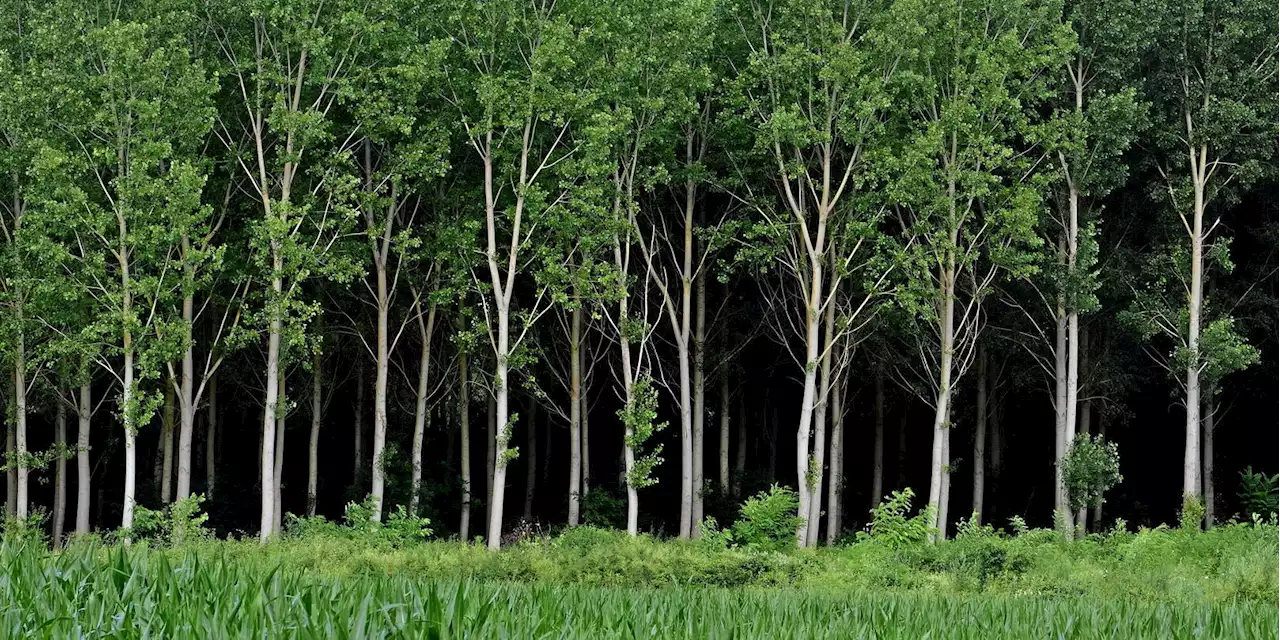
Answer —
341 582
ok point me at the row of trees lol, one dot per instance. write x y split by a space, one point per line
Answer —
560 200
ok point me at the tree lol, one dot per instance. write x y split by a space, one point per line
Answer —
1213 86
282 65
966 207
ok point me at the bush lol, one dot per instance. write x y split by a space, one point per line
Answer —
177 524
399 530
768 520
891 526
1259 493
603 508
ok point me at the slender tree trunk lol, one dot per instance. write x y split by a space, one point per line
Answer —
1060 410
211 443
809 400
628 396
1073 334
531 460
740 461
1195 297
425 330
723 484
980 437
11 471
464 431
186 399
84 413
1211 407
699 401
313 445
586 441
944 504
835 476
378 477
166 443
491 435
501 428
59 474
359 427
20 430
274 333
130 435
877 447
820 431
575 413
939 467
279 451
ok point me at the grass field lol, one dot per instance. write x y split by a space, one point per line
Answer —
90 592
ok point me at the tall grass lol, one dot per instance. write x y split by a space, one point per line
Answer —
92 592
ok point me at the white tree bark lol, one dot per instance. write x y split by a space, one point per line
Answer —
1195 296
425 330
11 471
186 391
278 476
313 444
491 436
271 400
575 413
84 414
378 474
835 464
699 402
939 467
20 429
59 474
1060 408
814 519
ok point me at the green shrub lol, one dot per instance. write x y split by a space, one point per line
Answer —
768 520
1259 493
177 524
603 508
1090 468
890 525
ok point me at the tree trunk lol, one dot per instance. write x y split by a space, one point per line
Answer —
820 431
940 460
575 413
464 434
531 460
877 450
500 425
186 399
944 504
211 444
279 451
130 436
359 427
1211 407
1060 410
723 484
809 400
313 445
980 437
425 330
378 476
491 435
11 469
268 466
1195 297
1073 333
84 413
60 474
835 476
699 402
166 443
586 442
20 430
740 461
